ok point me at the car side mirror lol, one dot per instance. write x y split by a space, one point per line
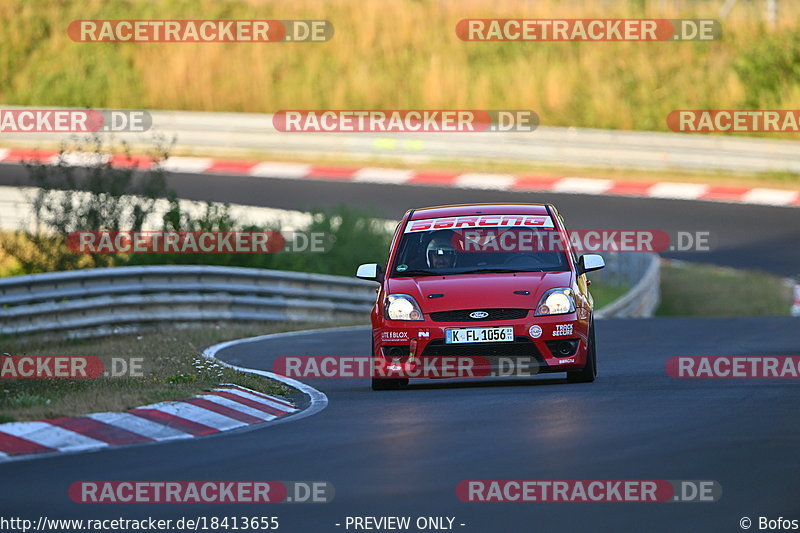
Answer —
590 262
370 272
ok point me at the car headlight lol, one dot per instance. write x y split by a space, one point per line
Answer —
556 302
402 307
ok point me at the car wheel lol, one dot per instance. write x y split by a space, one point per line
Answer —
387 383
589 372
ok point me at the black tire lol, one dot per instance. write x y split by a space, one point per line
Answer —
589 372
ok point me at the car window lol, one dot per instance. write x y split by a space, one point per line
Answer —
479 250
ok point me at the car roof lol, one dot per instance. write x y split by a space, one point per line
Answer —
461 210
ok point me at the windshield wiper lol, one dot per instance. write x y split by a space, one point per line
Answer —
415 272
496 271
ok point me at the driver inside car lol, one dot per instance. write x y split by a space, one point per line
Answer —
440 253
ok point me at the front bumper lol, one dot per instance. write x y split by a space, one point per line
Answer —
541 344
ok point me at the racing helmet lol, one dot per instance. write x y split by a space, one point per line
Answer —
440 253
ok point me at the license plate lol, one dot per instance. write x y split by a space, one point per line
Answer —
465 335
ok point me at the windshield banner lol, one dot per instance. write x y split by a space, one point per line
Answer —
480 221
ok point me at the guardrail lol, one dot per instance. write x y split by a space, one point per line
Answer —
109 300
642 272
123 299
247 134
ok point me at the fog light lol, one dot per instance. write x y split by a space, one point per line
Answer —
396 353
565 348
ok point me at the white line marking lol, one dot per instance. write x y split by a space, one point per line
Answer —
582 185
485 181
51 436
770 196
82 159
282 401
382 175
281 170
677 190
259 399
187 164
140 426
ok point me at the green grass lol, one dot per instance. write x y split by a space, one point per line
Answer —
172 362
703 290
605 294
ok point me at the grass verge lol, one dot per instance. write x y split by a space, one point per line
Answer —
704 290
605 294
172 365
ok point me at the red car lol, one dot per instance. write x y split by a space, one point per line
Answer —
482 290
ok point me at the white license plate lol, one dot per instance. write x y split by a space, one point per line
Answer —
465 335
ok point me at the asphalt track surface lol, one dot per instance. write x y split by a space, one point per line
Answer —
401 453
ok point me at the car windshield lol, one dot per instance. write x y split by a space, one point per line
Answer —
479 251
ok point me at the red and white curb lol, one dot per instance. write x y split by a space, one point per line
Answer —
222 409
504 182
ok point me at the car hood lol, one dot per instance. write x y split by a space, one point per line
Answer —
479 291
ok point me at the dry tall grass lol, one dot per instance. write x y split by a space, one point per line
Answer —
403 54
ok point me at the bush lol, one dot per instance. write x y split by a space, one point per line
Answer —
768 67
91 197
354 237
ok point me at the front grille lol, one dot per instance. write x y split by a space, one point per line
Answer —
520 347
462 315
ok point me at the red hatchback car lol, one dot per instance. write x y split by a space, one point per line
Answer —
482 290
